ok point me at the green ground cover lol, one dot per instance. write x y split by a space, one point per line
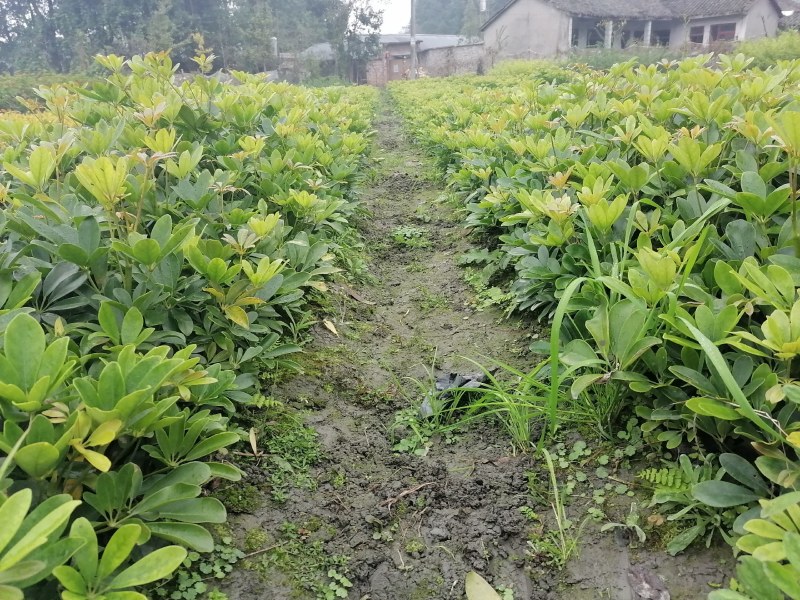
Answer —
649 214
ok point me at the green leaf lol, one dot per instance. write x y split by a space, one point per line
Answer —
212 444
225 471
765 529
37 459
12 513
132 326
162 230
771 508
147 251
753 184
107 316
190 535
51 556
70 578
24 345
721 367
53 359
721 494
118 549
21 571
727 595
42 163
791 543
752 574
784 577
8 592
38 534
712 408
22 290
238 315
682 541
86 558
195 510
744 472
154 566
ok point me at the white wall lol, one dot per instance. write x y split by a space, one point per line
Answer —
528 29
680 31
534 29
761 21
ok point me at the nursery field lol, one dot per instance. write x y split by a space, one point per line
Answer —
535 329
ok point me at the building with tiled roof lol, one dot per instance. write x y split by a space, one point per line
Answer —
542 28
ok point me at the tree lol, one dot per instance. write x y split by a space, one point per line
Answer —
361 39
252 27
440 16
64 35
453 17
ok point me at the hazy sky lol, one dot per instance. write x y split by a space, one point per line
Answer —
396 14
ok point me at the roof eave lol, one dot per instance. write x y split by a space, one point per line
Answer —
497 15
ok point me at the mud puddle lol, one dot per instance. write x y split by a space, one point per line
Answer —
400 526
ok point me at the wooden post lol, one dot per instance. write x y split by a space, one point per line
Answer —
413 30
648 33
609 34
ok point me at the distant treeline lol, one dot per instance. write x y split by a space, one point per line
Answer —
64 35
456 17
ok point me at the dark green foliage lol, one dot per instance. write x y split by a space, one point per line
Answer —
453 16
64 35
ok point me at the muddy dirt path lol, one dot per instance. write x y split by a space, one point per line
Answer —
412 526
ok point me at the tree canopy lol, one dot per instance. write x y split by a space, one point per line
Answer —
64 35
452 16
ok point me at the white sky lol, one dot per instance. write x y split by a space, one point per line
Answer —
396 14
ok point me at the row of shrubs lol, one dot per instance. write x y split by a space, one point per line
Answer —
161 243
649 214
765 52
17 90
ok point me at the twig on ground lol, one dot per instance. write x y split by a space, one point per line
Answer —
389 502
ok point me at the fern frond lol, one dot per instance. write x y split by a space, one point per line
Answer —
666 479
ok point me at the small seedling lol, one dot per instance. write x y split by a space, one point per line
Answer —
411 237
631 524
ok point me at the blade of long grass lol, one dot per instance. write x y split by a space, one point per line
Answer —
721 366
555 340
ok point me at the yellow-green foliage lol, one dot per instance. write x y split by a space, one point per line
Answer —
23 85
654 208
768 51
543 69
160 241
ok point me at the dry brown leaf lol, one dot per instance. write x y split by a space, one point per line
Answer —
330 327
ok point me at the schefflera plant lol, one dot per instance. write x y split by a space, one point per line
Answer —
104 399
73 429
708 245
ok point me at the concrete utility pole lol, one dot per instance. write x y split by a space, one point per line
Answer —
412 28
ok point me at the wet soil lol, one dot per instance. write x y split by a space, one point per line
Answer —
413 526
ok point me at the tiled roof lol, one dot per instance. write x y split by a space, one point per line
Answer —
647 9
426 41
